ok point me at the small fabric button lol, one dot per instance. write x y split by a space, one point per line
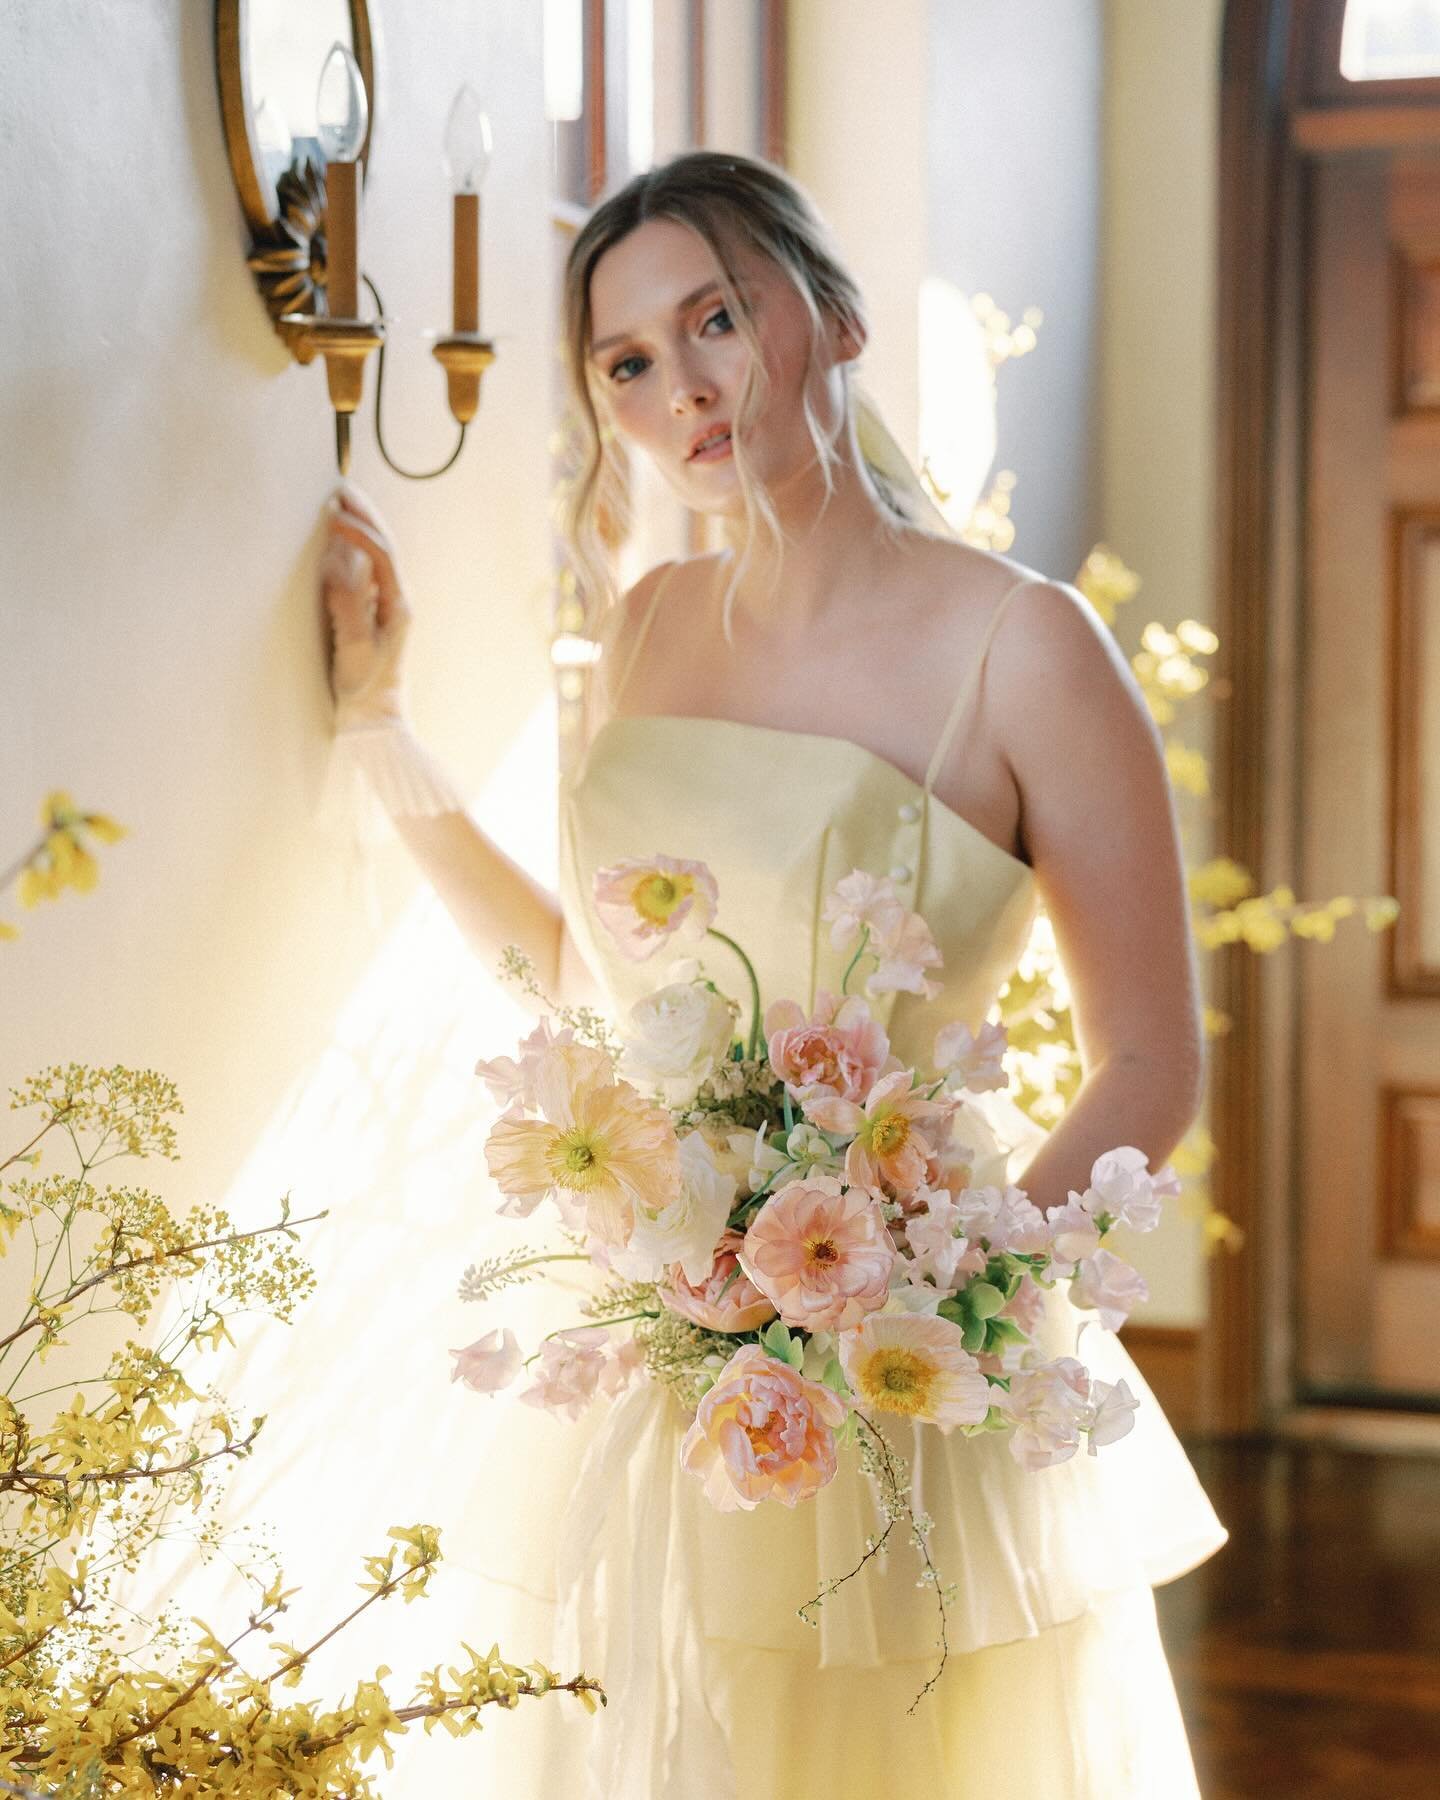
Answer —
910 812
900 873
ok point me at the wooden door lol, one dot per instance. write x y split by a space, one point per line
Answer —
1367 1243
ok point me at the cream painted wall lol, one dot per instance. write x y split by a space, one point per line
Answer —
1014 181
857 141
1157 383
164 468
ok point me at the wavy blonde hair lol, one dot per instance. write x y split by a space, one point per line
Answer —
729 201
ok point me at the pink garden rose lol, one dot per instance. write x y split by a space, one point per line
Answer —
741 1307
647 902
839 1052
821 1252
763 1432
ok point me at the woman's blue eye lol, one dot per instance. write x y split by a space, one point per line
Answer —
721 312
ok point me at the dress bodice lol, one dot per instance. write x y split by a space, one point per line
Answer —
779 817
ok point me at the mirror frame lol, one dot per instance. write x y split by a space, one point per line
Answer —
233 72
287 248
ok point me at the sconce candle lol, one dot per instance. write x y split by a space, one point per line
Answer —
467 156
342 116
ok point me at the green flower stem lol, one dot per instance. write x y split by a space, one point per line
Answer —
753 1048
860 949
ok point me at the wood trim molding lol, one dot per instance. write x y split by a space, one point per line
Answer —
1252 145
1169 1358
1404 1113
774 80
1409 975
696 36
1332 130
596 100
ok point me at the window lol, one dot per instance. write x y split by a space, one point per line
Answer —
1390 40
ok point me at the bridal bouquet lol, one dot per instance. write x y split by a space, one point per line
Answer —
797 1233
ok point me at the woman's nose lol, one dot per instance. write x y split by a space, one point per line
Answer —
691 389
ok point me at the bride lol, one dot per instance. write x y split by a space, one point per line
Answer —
844 685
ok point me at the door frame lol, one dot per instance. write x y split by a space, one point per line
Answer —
1282 102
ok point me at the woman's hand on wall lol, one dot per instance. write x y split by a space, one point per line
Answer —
369 615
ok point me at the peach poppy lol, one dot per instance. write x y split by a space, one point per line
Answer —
718 1303
763 1432
598 1143
821 1252
646 902
915 1365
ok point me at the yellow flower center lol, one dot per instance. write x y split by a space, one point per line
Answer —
576 1160
657 895
823 1251
890 1134
897 1380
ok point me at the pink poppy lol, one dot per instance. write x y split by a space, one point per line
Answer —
740 1307
897 1133
821 1252
763 1432
650 901
839 1052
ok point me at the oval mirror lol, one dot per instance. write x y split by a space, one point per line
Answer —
268 56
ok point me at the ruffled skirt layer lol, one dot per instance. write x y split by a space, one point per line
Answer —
1056 1685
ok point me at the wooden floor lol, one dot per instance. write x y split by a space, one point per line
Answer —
1307 1652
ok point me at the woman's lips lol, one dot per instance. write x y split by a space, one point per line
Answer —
716 452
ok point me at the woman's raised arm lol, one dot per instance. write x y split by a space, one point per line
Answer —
491 898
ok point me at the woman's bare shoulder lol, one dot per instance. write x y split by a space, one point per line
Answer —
621 628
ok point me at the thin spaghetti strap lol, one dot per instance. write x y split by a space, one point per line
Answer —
641 635
971 683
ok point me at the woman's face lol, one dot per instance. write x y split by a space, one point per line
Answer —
670 365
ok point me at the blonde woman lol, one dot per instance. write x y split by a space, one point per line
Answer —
843 686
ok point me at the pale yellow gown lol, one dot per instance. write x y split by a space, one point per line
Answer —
1057 1686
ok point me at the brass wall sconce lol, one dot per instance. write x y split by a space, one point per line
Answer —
301 190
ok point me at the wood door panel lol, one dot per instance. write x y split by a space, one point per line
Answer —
1368 1038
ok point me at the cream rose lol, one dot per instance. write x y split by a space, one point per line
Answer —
689 1228
675 1036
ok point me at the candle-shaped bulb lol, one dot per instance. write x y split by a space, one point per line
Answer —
272 138
467 142
342 113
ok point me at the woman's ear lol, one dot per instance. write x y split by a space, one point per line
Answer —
848 338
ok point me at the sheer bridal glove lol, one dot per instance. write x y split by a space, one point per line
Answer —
377 768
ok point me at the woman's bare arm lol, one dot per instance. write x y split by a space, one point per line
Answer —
491 898
1098 820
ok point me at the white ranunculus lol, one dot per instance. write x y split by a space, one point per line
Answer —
689 1228
675 1036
